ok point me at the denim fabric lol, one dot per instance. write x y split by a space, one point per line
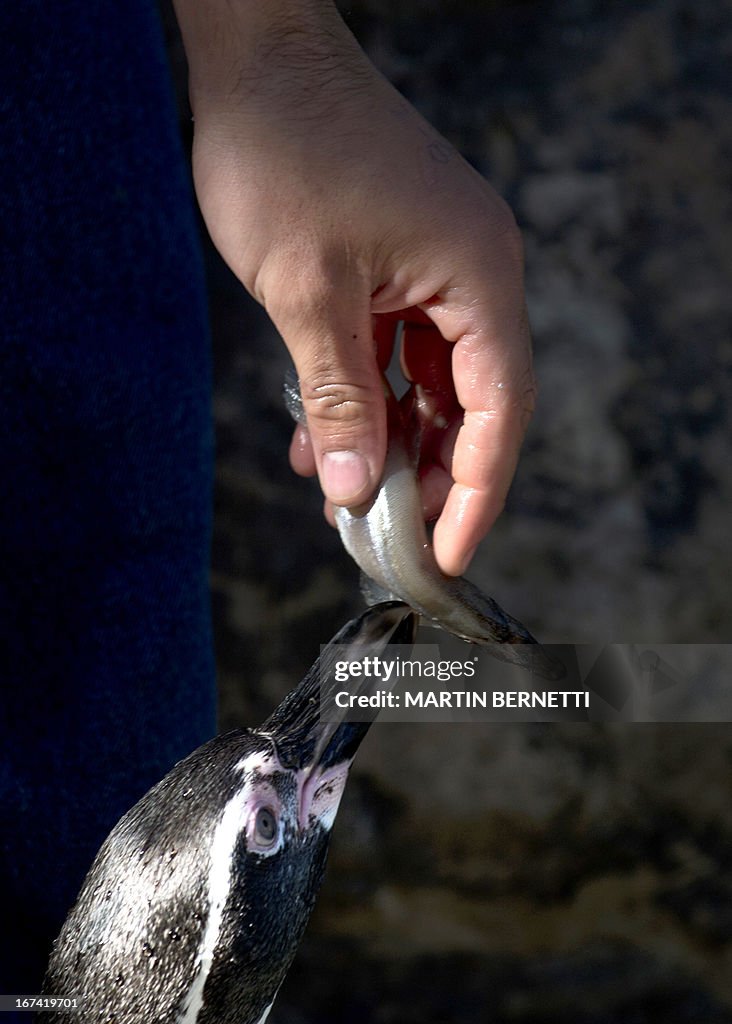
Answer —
105 451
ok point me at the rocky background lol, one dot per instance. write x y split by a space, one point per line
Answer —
530 874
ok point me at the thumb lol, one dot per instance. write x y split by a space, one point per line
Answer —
332 346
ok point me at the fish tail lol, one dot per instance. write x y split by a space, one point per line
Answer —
502 629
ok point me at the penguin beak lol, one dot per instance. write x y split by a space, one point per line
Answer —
304 740
319 750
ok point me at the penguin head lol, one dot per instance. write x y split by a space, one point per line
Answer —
277 825
195 905
267 854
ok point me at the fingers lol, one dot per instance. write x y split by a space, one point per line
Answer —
495 386
302 459
472 400
482 313
330 340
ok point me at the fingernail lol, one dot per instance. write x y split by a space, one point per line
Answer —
345 475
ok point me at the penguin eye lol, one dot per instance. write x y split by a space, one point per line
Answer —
265 827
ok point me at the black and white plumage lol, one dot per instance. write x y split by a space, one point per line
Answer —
194 906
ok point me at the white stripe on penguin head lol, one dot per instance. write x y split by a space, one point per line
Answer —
223 846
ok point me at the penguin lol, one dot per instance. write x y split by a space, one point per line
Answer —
197 900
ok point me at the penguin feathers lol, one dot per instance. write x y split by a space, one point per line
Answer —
197 901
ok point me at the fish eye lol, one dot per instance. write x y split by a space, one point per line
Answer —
265 827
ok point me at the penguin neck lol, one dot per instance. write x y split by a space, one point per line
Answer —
260 934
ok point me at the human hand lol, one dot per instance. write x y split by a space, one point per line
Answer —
340 209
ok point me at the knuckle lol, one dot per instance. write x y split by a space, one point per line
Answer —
495 240
481 431
305 280
498 231
507 231
300 299
327 401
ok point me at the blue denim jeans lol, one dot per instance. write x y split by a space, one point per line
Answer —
106 662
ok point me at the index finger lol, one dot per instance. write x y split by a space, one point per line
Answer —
494 383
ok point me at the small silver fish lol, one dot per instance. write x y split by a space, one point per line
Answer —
387 538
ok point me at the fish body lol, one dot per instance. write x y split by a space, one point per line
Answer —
387 538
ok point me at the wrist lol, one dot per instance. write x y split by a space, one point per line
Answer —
241 46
